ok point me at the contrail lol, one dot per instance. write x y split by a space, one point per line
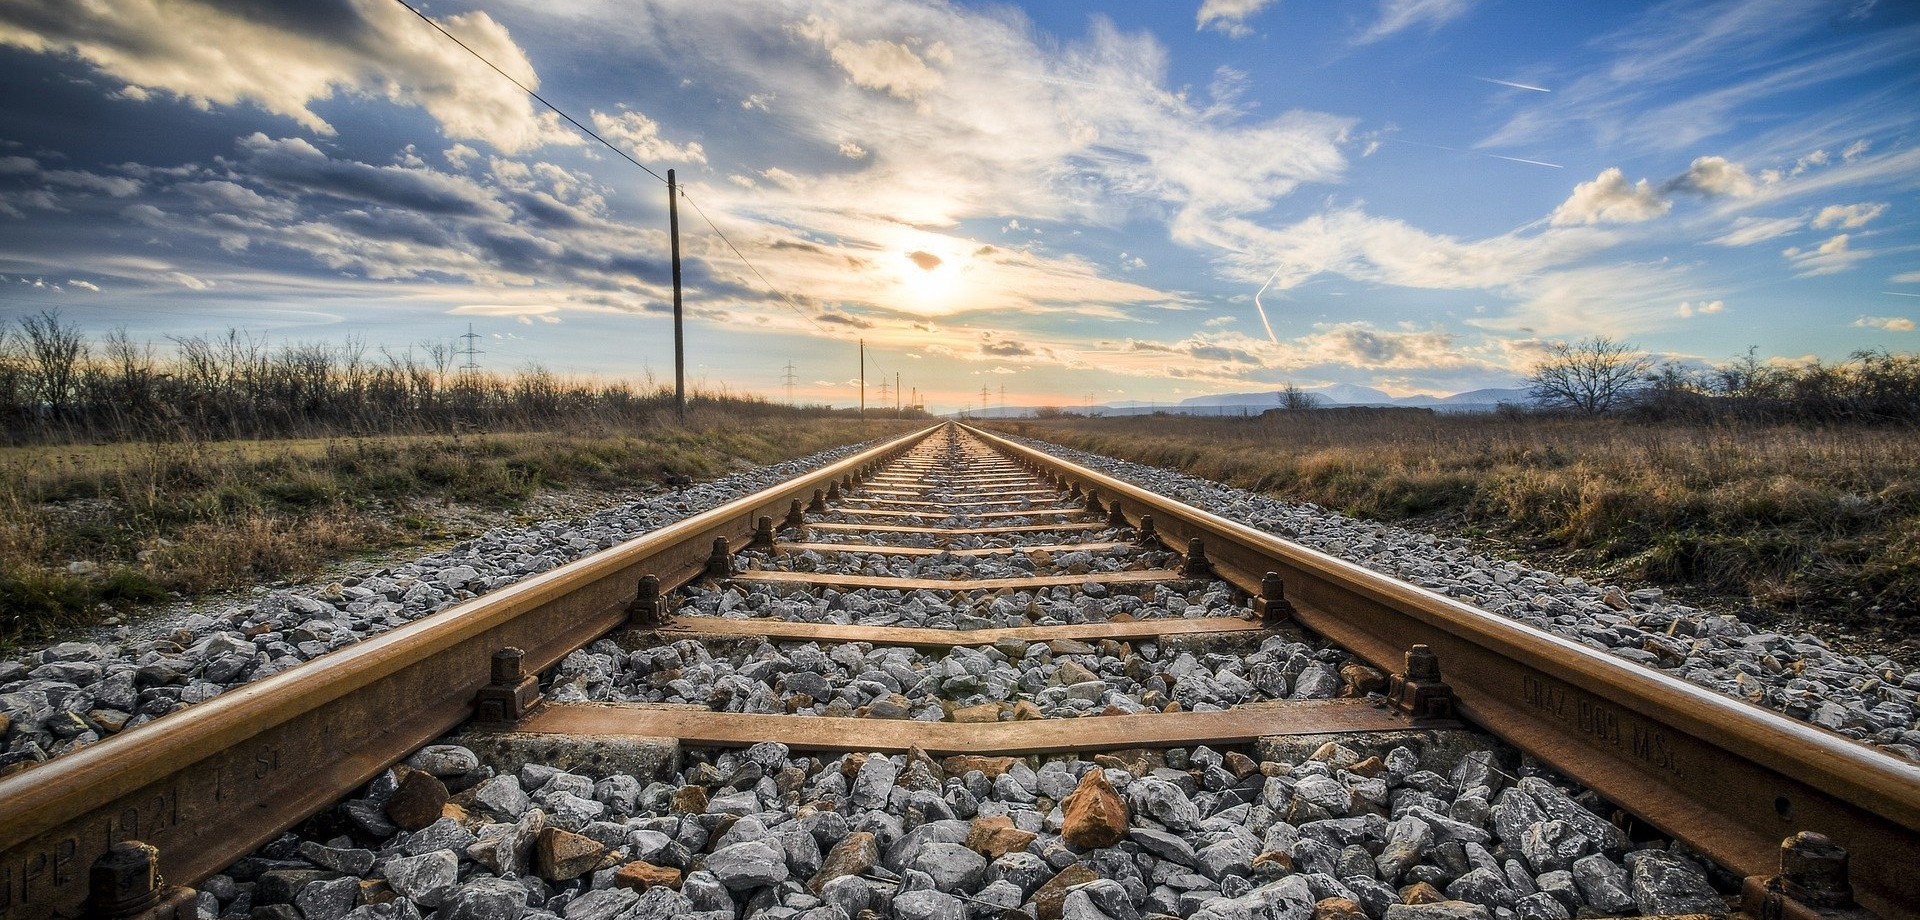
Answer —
1257 305
1496 156
1537 89
1894 293
1521 160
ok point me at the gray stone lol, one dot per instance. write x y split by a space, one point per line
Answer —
1602 883
328 900
485 899
1443 910
423 879
749 865
1551 846
952 866
1163 802
928 905
350 861
1668 883
1540 906
601 904
445 760
1163 845
503 796
1407 842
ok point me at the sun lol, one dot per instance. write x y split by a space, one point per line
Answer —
928 282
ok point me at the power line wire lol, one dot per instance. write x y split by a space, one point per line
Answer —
795 305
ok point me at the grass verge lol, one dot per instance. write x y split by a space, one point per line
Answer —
1792 524
91 532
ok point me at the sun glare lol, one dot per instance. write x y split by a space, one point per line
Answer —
928 282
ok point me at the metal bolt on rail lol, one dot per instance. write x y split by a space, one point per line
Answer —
1419 693
796 519
648 610
512 693
720 562
1115 519
833 492
1812 884
125 884
1146 536
819 503
763 533
1093 502
1196 565
1272 606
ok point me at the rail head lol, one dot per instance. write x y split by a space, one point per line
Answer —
280 749
1731 778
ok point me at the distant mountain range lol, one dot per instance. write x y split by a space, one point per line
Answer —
1331 395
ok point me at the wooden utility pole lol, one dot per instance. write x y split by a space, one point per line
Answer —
863 378
679 337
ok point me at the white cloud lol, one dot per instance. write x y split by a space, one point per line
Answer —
285 58
1906 278
187 281
1888 323
640 135
1713 176
760 101
1750 230
878 63
852 151
83 285
1833 256
1847 216
1703 308
1396 15
1229 16
1610 199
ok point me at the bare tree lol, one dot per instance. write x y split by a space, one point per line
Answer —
1293 398
1593 376
57 350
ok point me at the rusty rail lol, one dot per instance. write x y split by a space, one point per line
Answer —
211 783
1727 777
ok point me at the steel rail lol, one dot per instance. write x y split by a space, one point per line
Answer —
211 783
1727 777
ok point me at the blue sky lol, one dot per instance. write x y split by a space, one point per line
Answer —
1142 201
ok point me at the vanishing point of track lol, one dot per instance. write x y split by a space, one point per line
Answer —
206 786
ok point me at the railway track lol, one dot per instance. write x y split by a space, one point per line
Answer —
992 632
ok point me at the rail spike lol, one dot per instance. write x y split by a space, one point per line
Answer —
763 533
819 503
796 519
1418 692
1146 536
1115 519
1093 502
512 693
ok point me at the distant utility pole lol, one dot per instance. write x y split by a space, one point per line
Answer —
1003 400
471 366
789 382
1089 405
983 402
863 378
896 392
883 391
679 338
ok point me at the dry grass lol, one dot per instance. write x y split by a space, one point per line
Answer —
1815 522
149 520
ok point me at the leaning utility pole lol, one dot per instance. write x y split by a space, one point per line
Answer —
679 339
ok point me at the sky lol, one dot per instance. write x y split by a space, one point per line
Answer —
1067 200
